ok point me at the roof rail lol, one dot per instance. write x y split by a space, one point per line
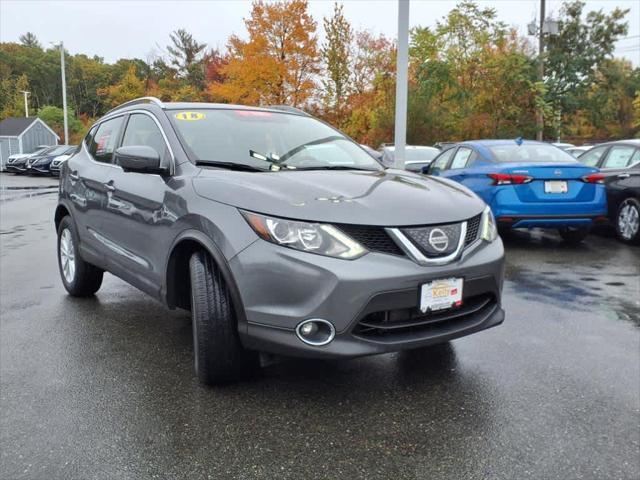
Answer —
136 101
287 108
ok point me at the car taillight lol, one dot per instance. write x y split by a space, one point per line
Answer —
593 178
509 179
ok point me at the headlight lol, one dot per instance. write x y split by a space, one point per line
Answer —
488 229
317 238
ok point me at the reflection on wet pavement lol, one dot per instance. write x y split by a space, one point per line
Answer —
103 387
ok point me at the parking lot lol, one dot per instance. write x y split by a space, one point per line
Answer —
103 387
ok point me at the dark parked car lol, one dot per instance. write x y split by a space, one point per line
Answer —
40 164
619 162
17 163
277 232
623 194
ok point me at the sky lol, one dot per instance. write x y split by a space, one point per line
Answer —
115 29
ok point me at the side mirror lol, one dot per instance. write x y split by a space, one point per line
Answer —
425 169
139 158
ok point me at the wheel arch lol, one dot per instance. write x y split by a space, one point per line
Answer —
61 211
177 281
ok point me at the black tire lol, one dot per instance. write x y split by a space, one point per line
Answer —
86 278
573 235
219 357
626 233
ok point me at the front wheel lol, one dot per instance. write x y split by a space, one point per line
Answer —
80 279
628 221
573 235
219 355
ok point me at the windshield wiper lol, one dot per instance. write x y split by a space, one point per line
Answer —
230 166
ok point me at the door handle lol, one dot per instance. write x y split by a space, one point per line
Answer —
624 175
74 176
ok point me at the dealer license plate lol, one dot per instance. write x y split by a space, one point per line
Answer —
555 186
441 294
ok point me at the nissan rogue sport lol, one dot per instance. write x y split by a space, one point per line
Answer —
279 234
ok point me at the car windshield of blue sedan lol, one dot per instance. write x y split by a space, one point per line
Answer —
266 140
529 153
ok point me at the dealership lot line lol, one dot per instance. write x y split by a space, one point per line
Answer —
103 388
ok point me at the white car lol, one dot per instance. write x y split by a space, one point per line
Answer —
416 156
577 151
56 163
17 156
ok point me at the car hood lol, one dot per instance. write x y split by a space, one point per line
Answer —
384 198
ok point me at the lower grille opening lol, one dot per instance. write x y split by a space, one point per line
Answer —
405 323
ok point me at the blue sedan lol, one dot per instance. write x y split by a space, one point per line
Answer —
528 184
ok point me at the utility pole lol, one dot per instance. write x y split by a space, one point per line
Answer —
402 67
539 113
26 103
64 95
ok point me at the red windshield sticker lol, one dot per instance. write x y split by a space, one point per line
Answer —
252 113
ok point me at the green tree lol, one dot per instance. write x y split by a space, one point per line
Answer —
186 56
579 49
11 97
336 55
54 117
30 40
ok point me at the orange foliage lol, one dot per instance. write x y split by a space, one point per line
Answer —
277 64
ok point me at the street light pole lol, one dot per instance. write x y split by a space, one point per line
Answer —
26 103
402 67
539 113
64 95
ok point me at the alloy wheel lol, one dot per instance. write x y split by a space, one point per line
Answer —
67 256
628 220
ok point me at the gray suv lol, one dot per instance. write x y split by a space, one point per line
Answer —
279 234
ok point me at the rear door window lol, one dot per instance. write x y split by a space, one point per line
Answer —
619 157
462 157
440 163
105 141
593 156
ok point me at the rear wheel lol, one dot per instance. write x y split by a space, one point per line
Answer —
573 235
628 221
80 279
219 355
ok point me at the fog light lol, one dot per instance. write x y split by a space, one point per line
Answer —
315 332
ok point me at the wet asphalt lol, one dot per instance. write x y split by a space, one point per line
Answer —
103 388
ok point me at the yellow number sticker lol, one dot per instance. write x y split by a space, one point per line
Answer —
190 116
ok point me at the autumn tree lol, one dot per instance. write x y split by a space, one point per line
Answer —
129 88
278 62
29 40
371 104
336 56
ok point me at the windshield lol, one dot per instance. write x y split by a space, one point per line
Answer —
59 150
262 139
530 153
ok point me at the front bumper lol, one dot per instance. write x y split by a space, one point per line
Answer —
10 167
281 287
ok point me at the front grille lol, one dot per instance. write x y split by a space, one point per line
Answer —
374 239
409 323
473 228
435 240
